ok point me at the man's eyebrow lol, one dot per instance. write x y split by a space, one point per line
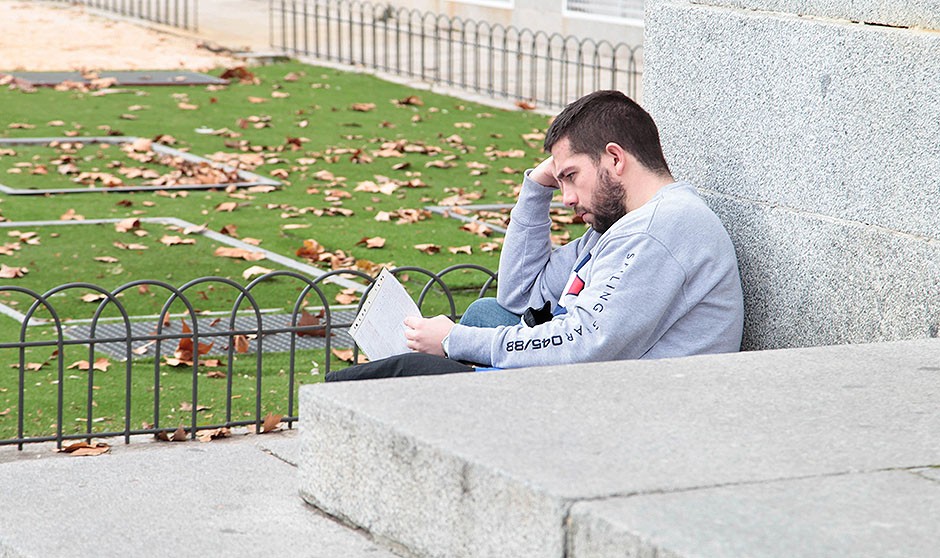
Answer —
563 171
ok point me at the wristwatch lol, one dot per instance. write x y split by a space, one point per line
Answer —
445 345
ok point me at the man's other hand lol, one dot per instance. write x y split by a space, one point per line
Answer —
425 334
544 174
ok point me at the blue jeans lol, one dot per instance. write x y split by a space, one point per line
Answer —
486 312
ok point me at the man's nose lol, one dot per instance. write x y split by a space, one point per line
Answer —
568 197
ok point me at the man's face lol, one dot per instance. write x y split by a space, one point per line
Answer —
589 188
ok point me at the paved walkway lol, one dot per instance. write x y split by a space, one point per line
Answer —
234 497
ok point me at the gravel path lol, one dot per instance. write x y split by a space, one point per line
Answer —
47 37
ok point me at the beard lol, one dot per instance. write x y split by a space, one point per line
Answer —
609 205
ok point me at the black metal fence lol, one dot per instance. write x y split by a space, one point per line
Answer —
546 70
184 354
175 13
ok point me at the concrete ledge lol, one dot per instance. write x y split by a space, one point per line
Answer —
491 463
866 514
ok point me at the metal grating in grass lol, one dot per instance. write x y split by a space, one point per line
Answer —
247 179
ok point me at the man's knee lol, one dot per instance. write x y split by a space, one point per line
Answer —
486 312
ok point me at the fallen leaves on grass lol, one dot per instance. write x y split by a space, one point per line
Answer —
373 242
460 250
131 246
173 240
428 249
101 364
362 107
239 253
8 272
255 270
70 215
187 407
347 296
346 355
127 225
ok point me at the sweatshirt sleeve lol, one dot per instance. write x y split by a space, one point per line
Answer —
530 272
636 286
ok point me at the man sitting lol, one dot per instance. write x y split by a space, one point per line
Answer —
655 276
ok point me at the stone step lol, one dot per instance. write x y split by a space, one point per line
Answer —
560 461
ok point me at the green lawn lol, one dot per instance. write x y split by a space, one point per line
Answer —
358 157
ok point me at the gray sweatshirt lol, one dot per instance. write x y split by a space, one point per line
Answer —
661 282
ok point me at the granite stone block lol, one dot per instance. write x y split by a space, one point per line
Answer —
489 464
865 515
812 115
811 280
906 13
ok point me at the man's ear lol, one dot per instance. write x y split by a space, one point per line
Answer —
618 157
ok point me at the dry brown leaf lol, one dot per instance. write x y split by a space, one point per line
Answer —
271 423
107 259
239 253
84 449
255 270
229 230
374 242
127 225
311 250
428 248
102 364
131 246
257 100
362 107
209 435
242 345
173 240
7 272
179 435
92 297
477 228
346 355
412 100
347 296
460 250
525 105
187 406
216 374
309 320
227 206
70 215
187 106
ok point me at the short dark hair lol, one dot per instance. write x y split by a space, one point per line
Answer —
596 119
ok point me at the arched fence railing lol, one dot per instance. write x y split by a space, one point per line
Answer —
175 13
186 371
546 70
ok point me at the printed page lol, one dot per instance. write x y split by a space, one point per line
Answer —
378 328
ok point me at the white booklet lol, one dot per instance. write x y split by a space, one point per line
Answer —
378 327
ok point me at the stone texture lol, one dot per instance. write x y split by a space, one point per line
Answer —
864 515
809 280
223 498
824 126
487 464
906 13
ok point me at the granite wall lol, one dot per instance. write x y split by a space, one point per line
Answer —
813 129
